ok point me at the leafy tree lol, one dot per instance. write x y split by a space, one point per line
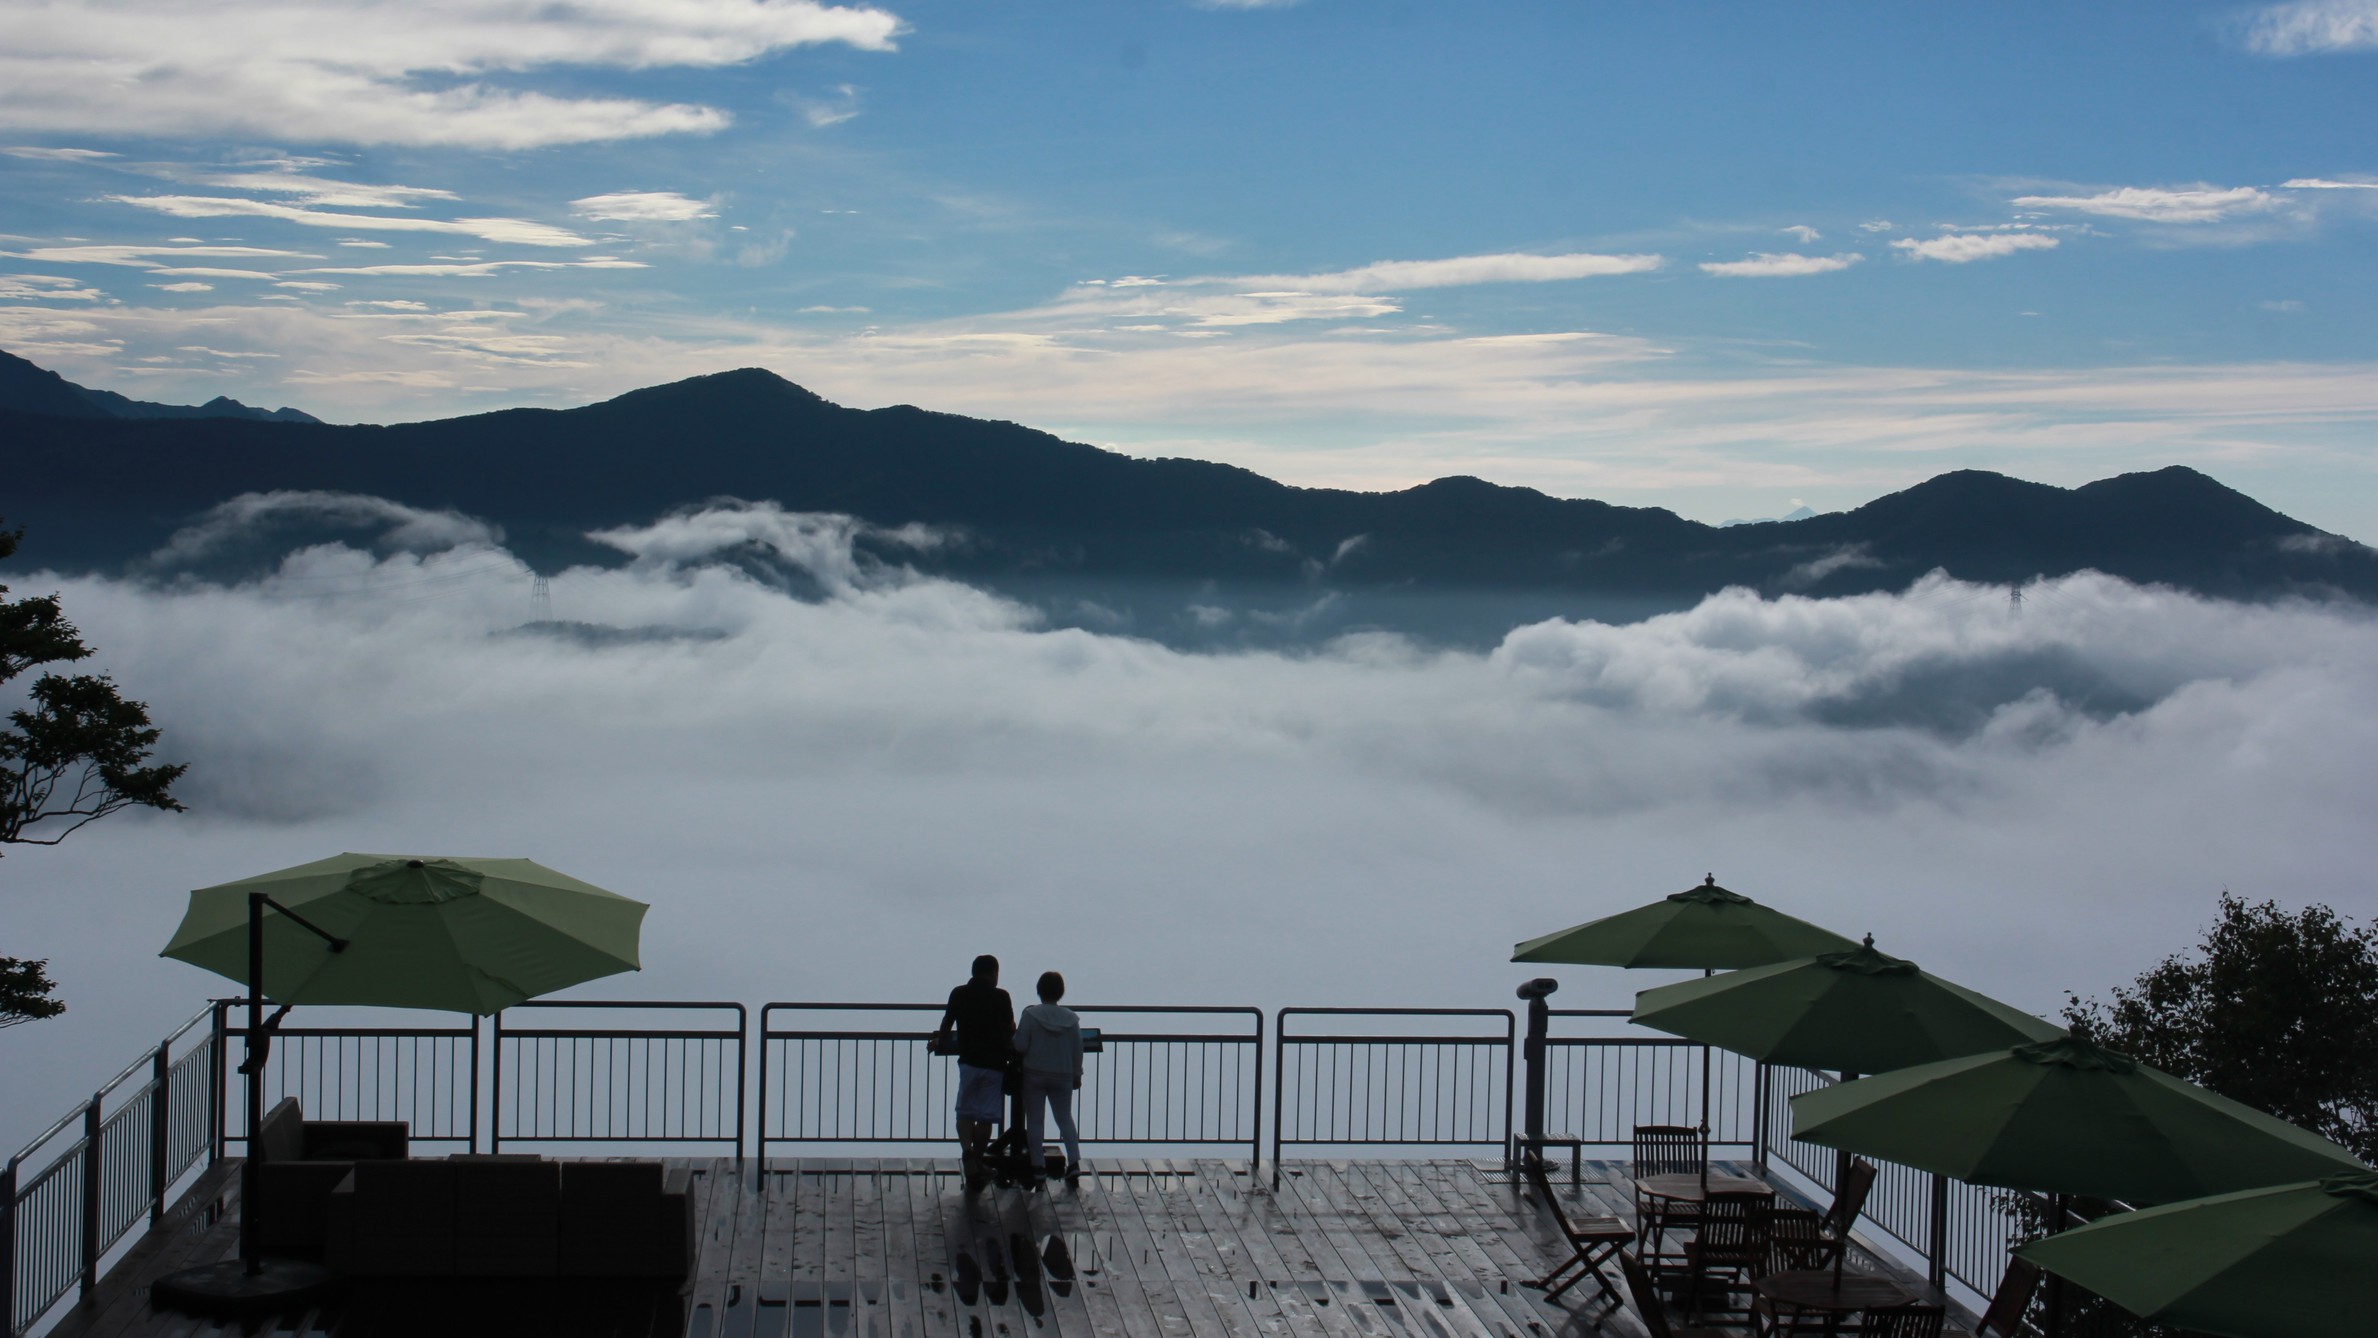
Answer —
2277 1010
74 752
2273 1009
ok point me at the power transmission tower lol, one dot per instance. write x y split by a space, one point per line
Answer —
540 601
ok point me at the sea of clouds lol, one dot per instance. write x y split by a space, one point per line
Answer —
846 794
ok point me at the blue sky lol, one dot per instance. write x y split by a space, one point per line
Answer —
1726 259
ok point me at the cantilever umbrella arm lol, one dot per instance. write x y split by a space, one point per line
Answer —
260 1031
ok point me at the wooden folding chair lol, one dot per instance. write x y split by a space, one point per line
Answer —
1850 1199
1665 1149
1903 1321
1730 1247
1651 1308
1592 1240
1796 1243
2004 1318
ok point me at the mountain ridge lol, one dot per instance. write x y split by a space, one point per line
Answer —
1061 524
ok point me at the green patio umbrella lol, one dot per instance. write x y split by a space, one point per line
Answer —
461 935
2064 1117
1858 1011
457 935
2289 1261
1705 928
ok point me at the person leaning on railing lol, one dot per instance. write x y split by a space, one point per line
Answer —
1049 1040
984 1020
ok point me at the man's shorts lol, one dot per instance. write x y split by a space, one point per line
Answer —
978 1094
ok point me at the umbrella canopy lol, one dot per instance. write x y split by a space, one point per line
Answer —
2290 1261
2065 1117
461 935
1700 928
1859 1011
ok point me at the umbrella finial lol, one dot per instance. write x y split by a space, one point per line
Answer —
1709 880
1870 940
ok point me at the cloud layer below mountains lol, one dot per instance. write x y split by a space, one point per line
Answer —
847 795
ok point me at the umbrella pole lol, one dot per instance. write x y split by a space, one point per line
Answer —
251 1251
1706 973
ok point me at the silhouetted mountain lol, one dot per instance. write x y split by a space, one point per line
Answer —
30 389
1153 545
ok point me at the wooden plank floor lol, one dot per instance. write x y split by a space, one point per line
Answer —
893 1248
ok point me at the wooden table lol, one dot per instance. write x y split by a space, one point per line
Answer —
1821 1292
1683 1187
1691 1187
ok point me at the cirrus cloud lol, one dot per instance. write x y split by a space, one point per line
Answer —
1457 271
423 72
1769 265
1959 248
643 206
2185 204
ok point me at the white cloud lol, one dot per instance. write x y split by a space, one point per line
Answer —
509 231
2313 27
877 767
396 527
473 270
307 285
147 257
1519 267
381 72
2322 183
46 287
335 194
829 111
1769 265
1877 225
2191 204
1958 248
183 287
1805 233
641 206
57 155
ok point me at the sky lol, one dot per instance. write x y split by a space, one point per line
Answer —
1726 259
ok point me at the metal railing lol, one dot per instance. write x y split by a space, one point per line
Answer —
859 1074
426 1076
1165 1075
111 1167
1447 1086
1599 1087
629 1083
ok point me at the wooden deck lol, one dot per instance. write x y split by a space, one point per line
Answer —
893 1248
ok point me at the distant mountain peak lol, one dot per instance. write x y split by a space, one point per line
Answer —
27 388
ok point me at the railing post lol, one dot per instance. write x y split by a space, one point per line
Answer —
8 1248
1255 1112
742 1072
495 1086
219 1045
91 1174
1761 1094
160 1127
1936 1262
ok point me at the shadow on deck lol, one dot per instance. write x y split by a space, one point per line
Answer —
892 1248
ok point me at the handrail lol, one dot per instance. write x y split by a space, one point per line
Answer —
875 1085
588 1054
121 1168
1379 1124
1195 1086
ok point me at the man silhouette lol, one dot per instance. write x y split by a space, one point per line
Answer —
984 1019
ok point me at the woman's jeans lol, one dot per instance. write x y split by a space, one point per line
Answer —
1057 1090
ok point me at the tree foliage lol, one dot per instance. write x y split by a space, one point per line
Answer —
2278 1010
74 752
